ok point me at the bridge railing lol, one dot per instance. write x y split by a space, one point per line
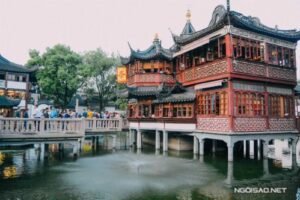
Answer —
60 126
40 126
103 124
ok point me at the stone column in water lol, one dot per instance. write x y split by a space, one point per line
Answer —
75 149
201 143
130 138
165 141
157 140
265 149
294 146
245 148
258 149
266 166
114 142
196 145
214 143
139 139
230 152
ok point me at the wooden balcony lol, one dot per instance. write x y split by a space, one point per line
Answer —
264 70
149 79
203 71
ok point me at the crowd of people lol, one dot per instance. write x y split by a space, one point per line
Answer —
52 113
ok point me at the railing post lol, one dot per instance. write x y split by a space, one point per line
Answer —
42 126
83 126
94 124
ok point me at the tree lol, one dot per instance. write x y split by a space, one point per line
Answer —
99 70
57 74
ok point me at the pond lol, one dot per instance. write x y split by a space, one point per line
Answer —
125 174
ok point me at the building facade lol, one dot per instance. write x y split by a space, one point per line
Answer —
15 85
232 80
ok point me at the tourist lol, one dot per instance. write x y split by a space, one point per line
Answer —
90 114
84 114
46 113
35 111
53 113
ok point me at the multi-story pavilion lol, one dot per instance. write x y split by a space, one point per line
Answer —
232 81
15 84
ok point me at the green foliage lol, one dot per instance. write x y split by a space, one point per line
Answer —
99 70
58 74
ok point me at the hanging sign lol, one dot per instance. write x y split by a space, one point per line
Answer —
122 74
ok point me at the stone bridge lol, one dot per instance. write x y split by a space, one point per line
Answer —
20 129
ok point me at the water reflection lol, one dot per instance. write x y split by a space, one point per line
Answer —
104 173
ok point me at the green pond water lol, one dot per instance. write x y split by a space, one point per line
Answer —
132 175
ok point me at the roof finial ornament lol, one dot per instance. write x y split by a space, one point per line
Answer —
228 5
188 15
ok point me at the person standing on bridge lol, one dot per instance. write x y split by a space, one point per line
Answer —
53 113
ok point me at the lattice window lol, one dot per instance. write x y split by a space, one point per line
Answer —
281 106
215 103
249 104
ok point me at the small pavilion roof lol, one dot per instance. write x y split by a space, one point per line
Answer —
154 52
6 65
220 18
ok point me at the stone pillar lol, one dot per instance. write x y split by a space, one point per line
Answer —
157 140
42 151
230 152
130 137
196 145
251 149
229 173
266 166
265 149
165 141
114 142
245 148
75 150
214 144
294 146
201 151
258 150
139 139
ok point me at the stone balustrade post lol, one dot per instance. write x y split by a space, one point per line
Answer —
42 126
94 124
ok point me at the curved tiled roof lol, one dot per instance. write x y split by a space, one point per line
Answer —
220 18
155 51
6 65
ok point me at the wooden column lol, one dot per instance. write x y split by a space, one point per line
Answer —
229 52
231 105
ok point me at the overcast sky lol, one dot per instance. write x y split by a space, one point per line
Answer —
88 24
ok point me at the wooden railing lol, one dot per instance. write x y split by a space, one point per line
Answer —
151 78
59 126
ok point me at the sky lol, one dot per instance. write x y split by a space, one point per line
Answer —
109 24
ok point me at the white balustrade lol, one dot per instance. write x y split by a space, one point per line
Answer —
40 126
100 125
59 126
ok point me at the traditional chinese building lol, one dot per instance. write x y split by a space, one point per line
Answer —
15 85
232 81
